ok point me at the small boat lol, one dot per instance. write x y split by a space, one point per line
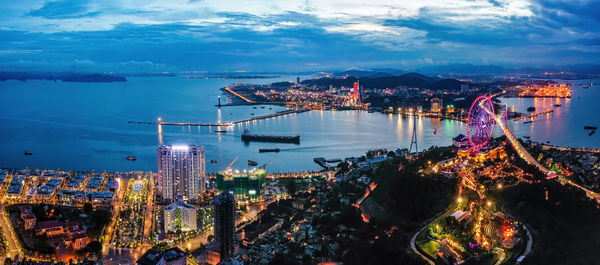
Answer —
527 122
254 107
587 127
252 163
131 158
213 161
531 109
220 131
252 114
557 105
262 107
526 137
435 132
28 153
266 150
547 142
270 108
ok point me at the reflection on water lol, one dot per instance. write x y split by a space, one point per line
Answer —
84 126
564 126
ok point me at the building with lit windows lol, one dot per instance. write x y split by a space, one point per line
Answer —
436 105
244 185
180 215
181 171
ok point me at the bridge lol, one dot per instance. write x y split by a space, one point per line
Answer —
525 155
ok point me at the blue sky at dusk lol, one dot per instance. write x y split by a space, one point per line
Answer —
293 35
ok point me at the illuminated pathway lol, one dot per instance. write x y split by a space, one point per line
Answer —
239 95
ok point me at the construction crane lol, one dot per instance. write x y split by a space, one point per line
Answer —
231 164
265 165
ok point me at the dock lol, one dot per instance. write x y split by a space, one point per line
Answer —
226 124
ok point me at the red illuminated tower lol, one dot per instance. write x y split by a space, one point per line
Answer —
356 92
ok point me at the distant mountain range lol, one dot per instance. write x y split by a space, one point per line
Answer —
471 69
375 80
65 77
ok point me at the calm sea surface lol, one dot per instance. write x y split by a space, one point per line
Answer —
85 125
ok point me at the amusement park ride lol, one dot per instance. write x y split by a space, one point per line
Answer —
481 122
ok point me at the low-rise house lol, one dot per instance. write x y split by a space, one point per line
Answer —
29 220
50 228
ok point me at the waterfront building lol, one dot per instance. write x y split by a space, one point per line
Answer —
436 105
180 215
224 212
181 171
245 184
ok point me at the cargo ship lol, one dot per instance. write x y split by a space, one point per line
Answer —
266 150
247 137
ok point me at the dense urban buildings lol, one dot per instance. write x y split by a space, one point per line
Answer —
181 171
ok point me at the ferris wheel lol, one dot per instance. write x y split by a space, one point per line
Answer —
480 123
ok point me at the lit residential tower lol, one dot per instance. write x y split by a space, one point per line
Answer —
181 172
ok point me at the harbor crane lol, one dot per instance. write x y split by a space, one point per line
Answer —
268 163
231 164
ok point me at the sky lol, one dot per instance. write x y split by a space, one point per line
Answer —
293 35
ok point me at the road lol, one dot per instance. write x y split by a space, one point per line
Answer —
413 245
14 247
529 243
525 155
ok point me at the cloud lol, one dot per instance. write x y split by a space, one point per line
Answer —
63 9
217 34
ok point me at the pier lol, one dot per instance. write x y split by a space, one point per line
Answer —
226 124
533 115
279 175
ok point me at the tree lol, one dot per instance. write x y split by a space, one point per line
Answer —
94 247
88 208
291 187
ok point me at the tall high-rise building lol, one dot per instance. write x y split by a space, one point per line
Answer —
181 171
180 215
356 92
225 224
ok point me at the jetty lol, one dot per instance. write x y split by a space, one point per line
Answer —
223 124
